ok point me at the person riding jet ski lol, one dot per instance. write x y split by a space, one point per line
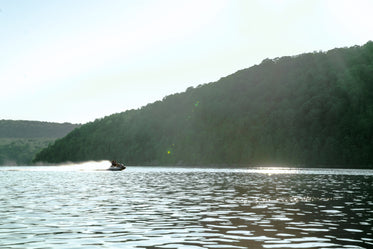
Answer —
116 166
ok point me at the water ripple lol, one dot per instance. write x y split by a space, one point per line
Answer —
184 208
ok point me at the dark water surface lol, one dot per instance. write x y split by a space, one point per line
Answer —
186 208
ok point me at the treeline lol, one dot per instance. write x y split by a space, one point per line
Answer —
34 129
21 151
21 140
312 109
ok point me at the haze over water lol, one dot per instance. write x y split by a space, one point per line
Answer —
185 208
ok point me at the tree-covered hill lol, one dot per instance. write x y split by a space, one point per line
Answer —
34 129
310 109
21 140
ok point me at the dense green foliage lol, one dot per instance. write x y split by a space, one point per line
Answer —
21 140
33 129
310 109
20 151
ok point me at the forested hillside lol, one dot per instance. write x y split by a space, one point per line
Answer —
21 140
312 109
34 129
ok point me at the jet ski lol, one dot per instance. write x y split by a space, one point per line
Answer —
116 166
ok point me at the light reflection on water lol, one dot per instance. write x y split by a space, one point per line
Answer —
186 208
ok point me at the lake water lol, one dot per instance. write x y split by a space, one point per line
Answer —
68 207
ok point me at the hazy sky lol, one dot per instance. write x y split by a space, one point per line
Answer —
78 60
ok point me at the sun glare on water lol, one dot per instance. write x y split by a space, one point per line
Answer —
271 170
